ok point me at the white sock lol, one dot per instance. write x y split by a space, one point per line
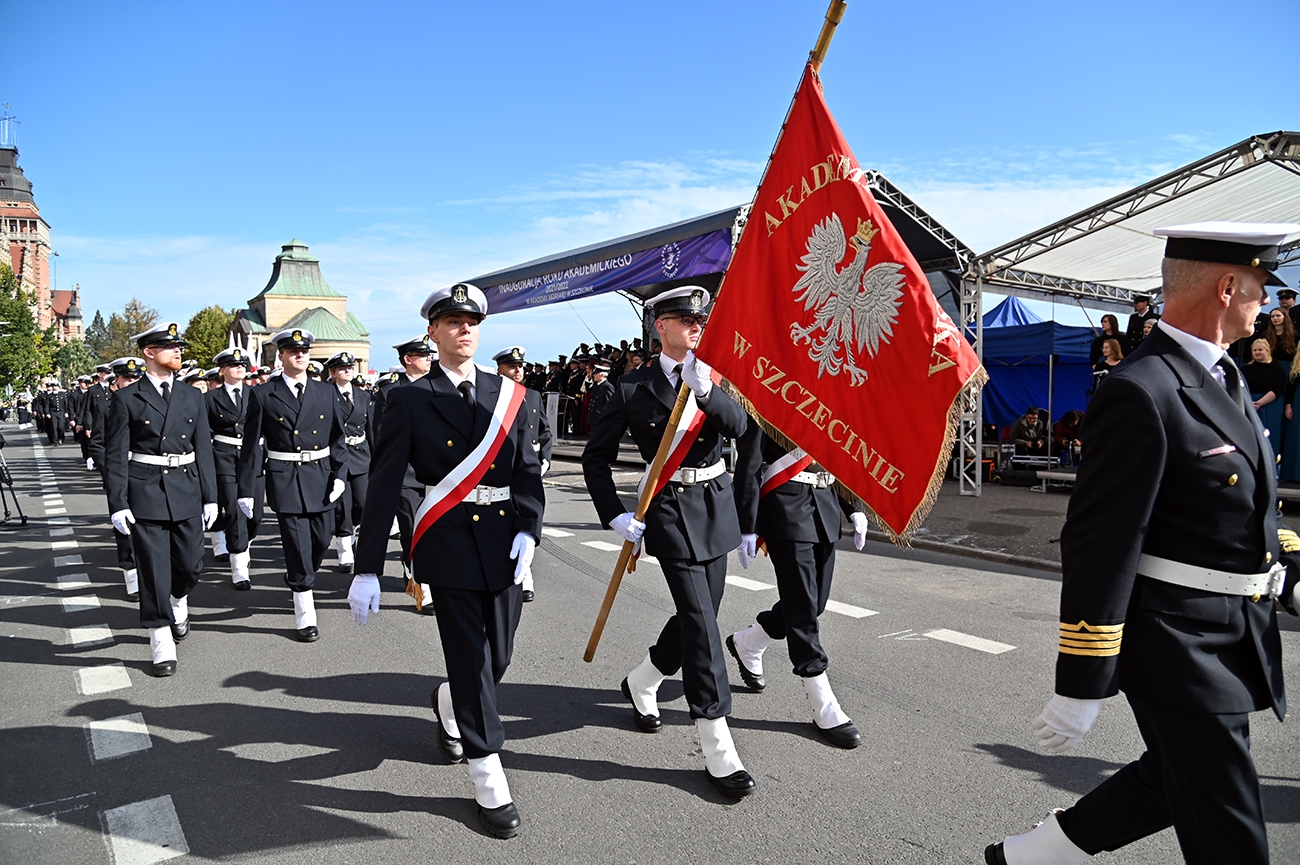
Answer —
720 756
426 596
162 644
304 609
490 787
131 575
219 544
1045 844
447 712
344 544
751 643
826 709
643 683
528 582
239 566
181 610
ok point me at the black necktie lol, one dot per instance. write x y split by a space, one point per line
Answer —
1232 382
677 371
464 388
301 389
167 392
236 393
347 400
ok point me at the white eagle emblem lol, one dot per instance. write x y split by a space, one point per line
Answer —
855 308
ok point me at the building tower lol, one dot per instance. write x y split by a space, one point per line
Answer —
24 235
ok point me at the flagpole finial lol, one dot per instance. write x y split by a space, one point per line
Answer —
834 15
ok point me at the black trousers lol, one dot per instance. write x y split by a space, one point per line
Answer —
55 430
477 630
125 548
407 505
690 641
351 506
803 581
83 439
169 556
1196 775
230 519
305 538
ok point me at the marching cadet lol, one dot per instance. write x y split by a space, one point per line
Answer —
122 372
510 364
690 527
227 407
295 425
1172 559
56 413
785 498
161 487
600 390
96 393
77 401
417 356
446 427
358 433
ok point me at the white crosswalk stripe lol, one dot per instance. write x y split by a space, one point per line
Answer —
604 546
145 832
117 737
556 533
957 638
67 561
746 583
74 581
79 603
90 635
850 610
102 679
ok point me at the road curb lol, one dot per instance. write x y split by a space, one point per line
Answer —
973 553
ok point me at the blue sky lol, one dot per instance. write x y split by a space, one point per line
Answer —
175 146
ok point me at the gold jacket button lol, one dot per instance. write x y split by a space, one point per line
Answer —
502 513
494 465
1255 597
1279 459
1232 479
449 443
298 448
476 518
1268 557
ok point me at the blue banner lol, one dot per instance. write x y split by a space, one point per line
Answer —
681 259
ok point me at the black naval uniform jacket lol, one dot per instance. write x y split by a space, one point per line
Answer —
696 522
359 420
276 422
96 395
539 430
377 410
427 426
226 420
140 421
790 512
1174 468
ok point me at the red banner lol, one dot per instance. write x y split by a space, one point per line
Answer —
826 325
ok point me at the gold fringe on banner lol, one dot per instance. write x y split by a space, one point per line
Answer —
978 379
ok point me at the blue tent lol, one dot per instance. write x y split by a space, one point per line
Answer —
1043 364
1009 313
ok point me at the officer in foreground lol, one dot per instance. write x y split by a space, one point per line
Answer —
162 489
474 550
1172 563
510 364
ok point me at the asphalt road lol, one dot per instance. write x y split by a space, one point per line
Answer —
263 749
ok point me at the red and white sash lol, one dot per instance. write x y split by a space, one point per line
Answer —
783 469
453 488
688 428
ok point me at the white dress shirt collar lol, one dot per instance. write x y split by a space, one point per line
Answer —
1206 353
158 382
456 378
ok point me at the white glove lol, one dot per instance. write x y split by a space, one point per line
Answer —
363 597
859 520
628 527
209 515
697 375
1064 722
246 506
546 467
90 463
522 552
336 490
122 521
747 550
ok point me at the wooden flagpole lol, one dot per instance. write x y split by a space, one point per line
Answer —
834 15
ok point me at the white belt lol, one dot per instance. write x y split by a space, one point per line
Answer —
171 461
299 457
237 441
537 447
1268 583
355 441
821 480
690 477
483 495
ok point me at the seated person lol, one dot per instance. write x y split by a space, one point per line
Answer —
1066 435
1029 436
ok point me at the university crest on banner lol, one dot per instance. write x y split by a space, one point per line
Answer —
826 328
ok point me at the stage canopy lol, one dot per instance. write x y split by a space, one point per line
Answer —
1039 363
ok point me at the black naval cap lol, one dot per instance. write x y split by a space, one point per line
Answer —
103 367
510 354
418 345
164 335
342 359
192 376
1286 294
128 367
461 297
232 357
213 374
1251 244
293 338
315 368
683 300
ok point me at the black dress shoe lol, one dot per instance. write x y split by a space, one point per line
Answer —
754 683
181 630
737 785
644 723
243 585
846 735
500 822
448 744
222 557
993 855
308 634
133 596
528 596
163 669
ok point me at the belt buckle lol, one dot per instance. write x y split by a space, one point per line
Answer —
483 496
1276 580
688 477
173 461
304 457
823 480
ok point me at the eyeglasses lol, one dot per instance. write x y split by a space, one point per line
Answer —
689 321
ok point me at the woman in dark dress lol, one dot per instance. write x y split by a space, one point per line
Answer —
1281 339
1109 330
1111 355
1267 385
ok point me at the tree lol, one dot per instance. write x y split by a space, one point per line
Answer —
97 337
74 358
208 333
21 361
134 318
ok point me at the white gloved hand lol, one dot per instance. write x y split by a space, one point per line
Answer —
522 552
122 521
698 375
246 506
859 520
747 550
336 491
209 515
363 597
1064 722
546 467
628 527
